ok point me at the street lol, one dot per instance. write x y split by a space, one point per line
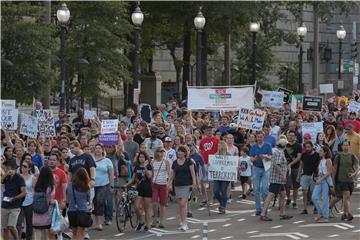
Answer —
240 222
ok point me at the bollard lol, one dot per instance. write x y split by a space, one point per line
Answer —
205 231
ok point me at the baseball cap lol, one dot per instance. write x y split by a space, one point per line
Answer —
349 127
167 139
154 129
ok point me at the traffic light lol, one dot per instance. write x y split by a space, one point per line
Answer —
354 51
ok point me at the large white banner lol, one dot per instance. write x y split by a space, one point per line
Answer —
312 128
29 126
251 119
223 168
272 99
210 99
9 118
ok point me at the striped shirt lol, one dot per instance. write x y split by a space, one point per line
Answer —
160 174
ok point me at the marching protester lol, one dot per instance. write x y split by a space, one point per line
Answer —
245 166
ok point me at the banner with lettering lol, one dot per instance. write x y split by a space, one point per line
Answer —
272 99
46 123
109 139
251 119
312 128
109 126
354 107
29 126
9 118
223 168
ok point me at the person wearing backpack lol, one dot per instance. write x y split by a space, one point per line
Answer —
43 203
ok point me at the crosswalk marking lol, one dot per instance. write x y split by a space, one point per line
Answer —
170 218
241 219
278 226
212 230
335 235
119 234
229 237
251 232
201 209
343 226
194 220
227 225
195 236
355 231
292 235
298 222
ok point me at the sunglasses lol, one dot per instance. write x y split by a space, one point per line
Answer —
161 151
24 166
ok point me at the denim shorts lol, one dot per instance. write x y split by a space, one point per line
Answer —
306 181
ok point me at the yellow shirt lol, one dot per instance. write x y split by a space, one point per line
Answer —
354 140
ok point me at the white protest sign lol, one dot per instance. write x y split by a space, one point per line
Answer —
223 168
354 107
109 126
293 103
29 126
312 128
9 118
327 88
6 103
46 123
89 114
211 99
272 99
251 119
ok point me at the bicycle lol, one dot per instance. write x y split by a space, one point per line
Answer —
125 211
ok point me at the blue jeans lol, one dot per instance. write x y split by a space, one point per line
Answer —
220 192
261 184
109 206
321 190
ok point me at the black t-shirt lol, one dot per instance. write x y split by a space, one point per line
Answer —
182 173
85 160
291 151
12 189
140 173
310 163
139 139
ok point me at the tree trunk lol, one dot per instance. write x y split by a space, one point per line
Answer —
186 65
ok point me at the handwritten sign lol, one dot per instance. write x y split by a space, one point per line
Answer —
9 118
251 119
272 99
46 123
29 126
109 139
109 126
286 92
223 168
89 114
312 128
354 107
6 103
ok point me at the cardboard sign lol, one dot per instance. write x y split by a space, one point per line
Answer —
313 128
311 103
89 115
109 139
223 168
326 88
9 118
46 123
354 107
293 103
251 119
286 92
29 126
272 99
6 103
109 126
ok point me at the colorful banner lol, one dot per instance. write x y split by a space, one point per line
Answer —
272 99
109 126
109 139
223 168
312 103
9 118
216 99
29 126
46 123
89 115
251 119
312 128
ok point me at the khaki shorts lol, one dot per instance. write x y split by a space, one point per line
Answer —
9 217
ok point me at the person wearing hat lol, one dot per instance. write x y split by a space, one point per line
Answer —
353 121
354 139
170 154
152 142
277 179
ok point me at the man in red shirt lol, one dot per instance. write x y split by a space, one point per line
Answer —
60 179
353 121
208 146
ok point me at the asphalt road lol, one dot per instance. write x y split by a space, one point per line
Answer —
240 222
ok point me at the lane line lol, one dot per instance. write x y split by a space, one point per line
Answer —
241 219
227 225
335 235
229 237
298 222
252 232
119 234
278 226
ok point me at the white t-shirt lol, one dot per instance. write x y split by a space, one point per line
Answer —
245 166
274 131
170 155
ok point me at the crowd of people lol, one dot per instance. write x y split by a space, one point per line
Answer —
168 159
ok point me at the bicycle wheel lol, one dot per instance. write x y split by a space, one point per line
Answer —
132 216
121 217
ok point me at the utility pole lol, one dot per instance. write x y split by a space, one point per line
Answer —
47 20
315 75
227 64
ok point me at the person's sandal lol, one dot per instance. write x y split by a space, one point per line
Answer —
322 220
319 218
285 217
265 218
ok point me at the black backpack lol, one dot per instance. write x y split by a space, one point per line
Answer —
40 203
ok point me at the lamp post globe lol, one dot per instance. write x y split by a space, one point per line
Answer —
63 14
199 20
302 30
341 33
254 27
137 17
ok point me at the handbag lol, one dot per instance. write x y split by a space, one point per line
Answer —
58 222
84 218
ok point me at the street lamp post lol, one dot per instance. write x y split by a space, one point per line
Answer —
340 34
137 18
301 32
199 22
63 16
254 28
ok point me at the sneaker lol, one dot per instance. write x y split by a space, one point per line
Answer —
229 200
350 217
287 203
108 222
183 227
315 211
154 223
294 206
304 212
86 236
139 226
146 228
257 213
23 235
343 217
68 235
243 196
161 226
222 211
189 214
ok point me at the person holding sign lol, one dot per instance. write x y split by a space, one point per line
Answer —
260 153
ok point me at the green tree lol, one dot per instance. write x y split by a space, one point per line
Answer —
289 76
25 41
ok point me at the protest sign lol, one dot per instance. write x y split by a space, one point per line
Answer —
326 88
293 103
9 118
6 103
216 99
109 139
272 99
46 123
311 103
29 126
354 106
89 114
286 92
223 168
251 119
109 126
312 128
